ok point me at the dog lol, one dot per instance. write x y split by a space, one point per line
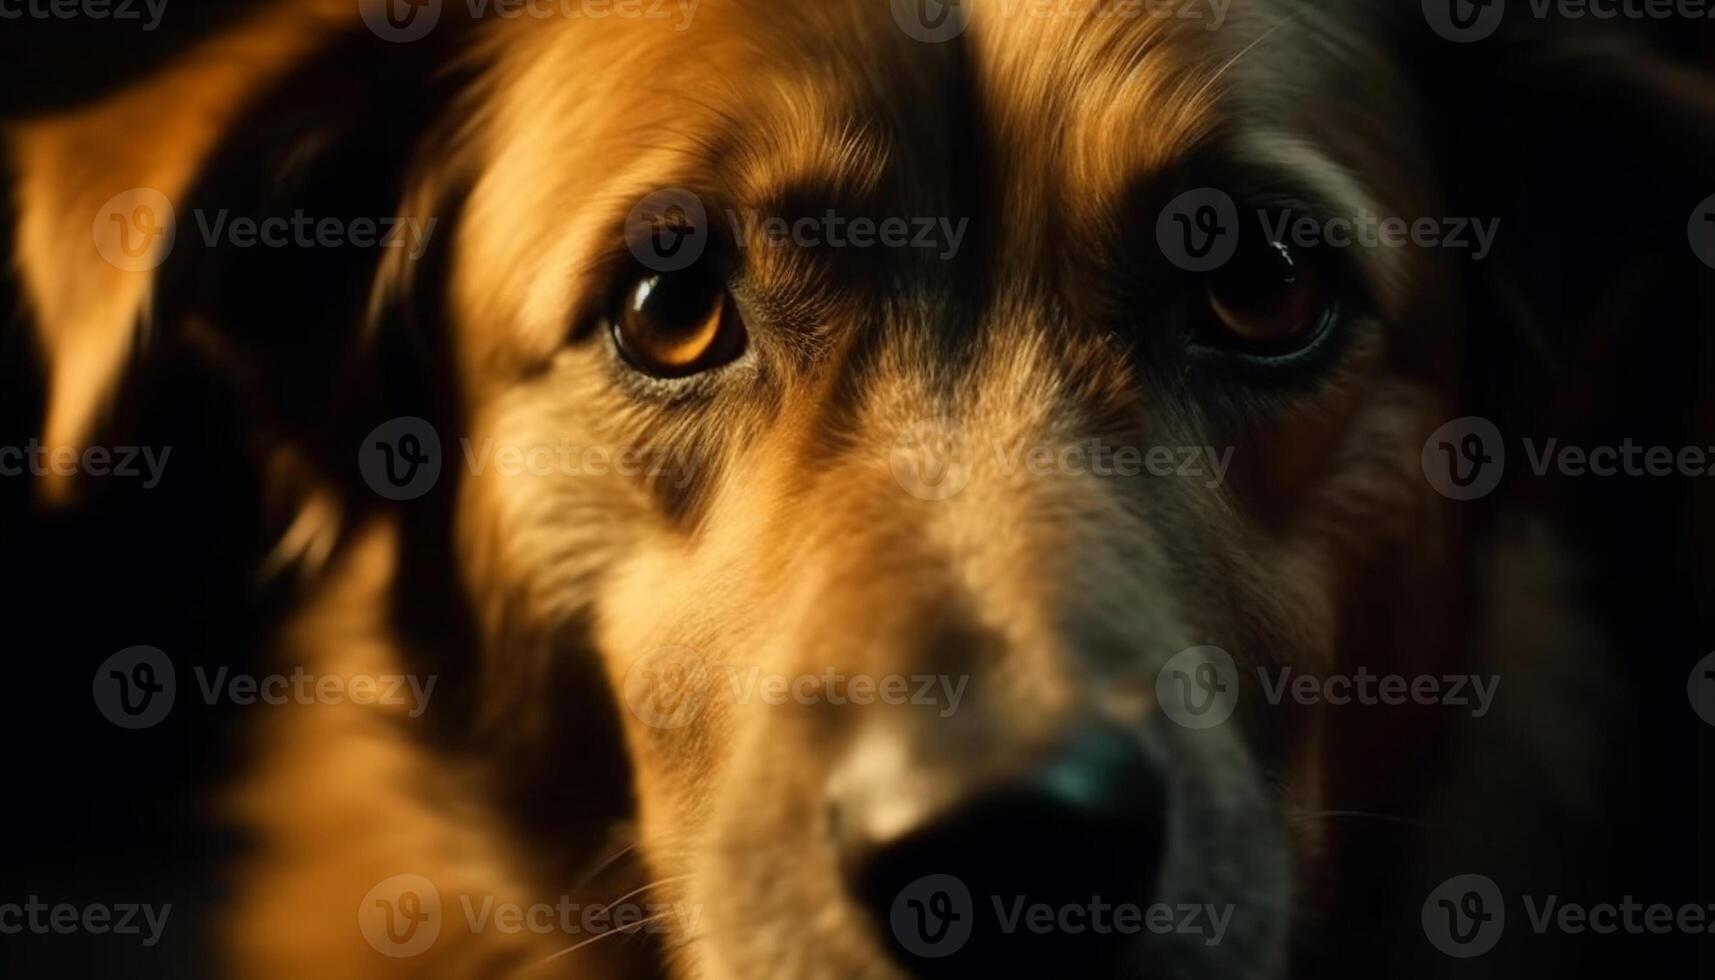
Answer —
795 593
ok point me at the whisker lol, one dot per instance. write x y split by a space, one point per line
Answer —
597 938
652 884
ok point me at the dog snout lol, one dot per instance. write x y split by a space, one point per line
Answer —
1079 826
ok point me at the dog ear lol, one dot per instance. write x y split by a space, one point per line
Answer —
84 287
261 202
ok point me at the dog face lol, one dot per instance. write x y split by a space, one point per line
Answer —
914 435
846 435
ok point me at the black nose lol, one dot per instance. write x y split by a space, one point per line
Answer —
1025 878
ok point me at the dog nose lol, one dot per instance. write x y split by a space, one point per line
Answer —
961 890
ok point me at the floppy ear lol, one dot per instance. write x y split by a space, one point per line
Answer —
276 200
87 304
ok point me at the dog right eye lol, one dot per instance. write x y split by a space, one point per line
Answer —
677 324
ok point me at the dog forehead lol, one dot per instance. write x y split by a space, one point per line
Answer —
1059 109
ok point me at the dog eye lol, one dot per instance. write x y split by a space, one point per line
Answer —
1271 299
673 325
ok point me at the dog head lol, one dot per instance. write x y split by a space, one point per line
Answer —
925 427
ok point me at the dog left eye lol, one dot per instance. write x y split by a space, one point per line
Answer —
1271 299
677 324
